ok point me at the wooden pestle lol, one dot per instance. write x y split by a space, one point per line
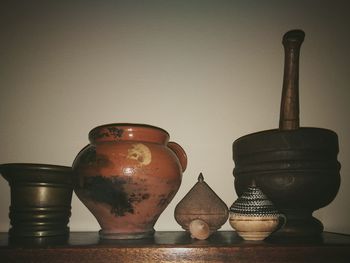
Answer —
289 112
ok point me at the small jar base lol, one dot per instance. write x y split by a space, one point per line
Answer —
37 231
115 235
253 236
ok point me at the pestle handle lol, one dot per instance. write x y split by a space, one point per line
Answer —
289 112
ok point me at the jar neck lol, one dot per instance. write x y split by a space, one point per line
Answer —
128 132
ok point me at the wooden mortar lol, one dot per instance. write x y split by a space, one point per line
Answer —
296 167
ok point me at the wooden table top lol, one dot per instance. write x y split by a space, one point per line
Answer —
177 246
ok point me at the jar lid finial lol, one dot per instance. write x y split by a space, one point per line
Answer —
200 178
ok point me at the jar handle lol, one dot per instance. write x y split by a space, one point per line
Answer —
180 153
281 225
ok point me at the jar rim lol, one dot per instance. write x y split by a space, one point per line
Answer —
115 127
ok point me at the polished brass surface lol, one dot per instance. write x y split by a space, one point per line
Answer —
40 199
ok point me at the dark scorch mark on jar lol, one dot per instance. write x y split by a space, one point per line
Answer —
88 155
112 131
116 132
165 199
103 161
90 158
111 191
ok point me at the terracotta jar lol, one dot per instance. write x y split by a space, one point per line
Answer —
127 176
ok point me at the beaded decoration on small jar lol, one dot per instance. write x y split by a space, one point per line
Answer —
253 215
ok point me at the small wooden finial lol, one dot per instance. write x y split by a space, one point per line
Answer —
200 178
253 184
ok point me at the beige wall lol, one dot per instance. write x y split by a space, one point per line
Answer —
206 71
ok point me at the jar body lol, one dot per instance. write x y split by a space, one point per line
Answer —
127 176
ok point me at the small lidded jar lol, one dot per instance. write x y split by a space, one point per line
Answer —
253 215
201 212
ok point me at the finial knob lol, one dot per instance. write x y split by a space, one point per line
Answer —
200 178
